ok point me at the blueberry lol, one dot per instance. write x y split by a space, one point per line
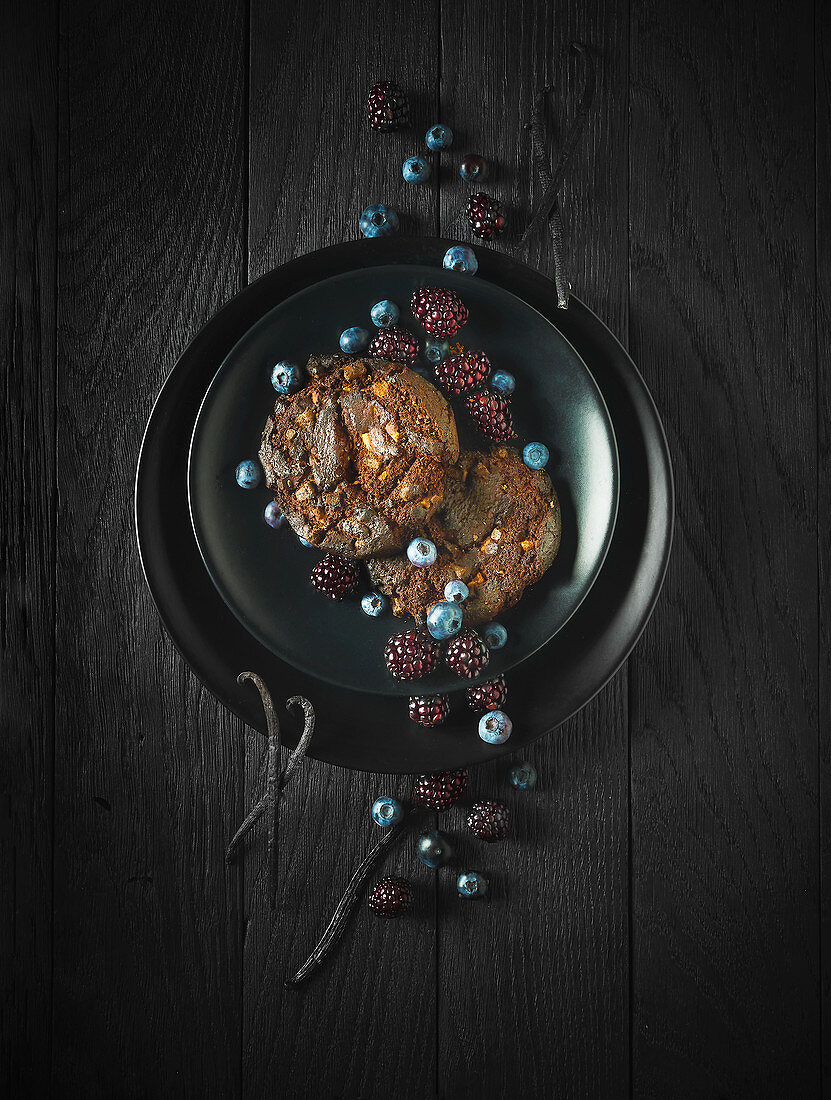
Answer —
535 455
457 591
248 474
436 350
421 552
386 811
523 776
415 170
471 884
353 339
495 727
502 382
461 258
495 635
473 168
305 542
374 604
439 137
385 313
285 377
433 849
378 220
444 620
273 516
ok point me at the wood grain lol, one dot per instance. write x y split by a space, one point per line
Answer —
533 985
366 1024
148 767
28 180
723 687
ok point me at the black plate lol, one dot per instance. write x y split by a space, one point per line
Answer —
263 575
371 732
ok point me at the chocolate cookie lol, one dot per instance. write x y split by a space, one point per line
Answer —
497 529
357 458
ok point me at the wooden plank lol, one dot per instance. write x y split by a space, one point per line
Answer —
723 689
533 986
148 766
28 90
365 1026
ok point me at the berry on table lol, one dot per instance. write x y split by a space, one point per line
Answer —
285 377
467 655
495 727
435 350
502 382
488 696
489 820
462 259
460 373
248 474
387 107
523 776
444 620
384 313
387 811
378 220
335 576
411 655
273 515
353 340
415 170
439 791
439 137
390 897
441 311
485 215
535 456
374 604
433 850
495 635
457 591
422 552
394 345
471 884
429 710
492 415
473 168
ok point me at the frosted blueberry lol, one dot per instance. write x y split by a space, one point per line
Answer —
353 339
433 849
457 591
495 635
385 313
523 776
248 474
435 350
495 727
503 383
415 170
374 604
535 455
439 137
273 516
421 552
444 620
378 220
285 377
471 884
461 258
386 811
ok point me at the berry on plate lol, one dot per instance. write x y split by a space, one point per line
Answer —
353 339
248 474
535 456
460 373
374 604
335 576
285 377
422 552
502 382
467 655
273 516
384 313
492 415
495 635
457 591
411 655
444 620
395 345
442 312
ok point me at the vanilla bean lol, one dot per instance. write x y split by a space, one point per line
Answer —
336 926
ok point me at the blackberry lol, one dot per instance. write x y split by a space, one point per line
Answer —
411 655
429 710
442 312
492 415
439 791
390 896
485 215
460 373
335 577
395 345
488 696
387 107
489 820
467 655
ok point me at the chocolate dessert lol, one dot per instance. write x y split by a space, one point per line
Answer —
357 458
497 529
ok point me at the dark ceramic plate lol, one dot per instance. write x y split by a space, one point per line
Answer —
263 575
372 732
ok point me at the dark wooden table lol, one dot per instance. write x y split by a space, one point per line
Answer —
658 920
